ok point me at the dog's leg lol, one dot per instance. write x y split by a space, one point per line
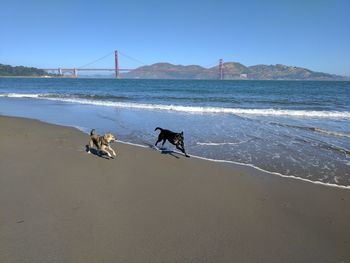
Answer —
159 140
113 152
164 140
103 149
182 149
88 147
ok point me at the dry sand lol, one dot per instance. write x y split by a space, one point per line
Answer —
60 204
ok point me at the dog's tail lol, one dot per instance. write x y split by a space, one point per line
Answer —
158 128
92 132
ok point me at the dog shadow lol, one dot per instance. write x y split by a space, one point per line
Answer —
169 152
98 153
165 151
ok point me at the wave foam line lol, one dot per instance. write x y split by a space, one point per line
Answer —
21 95
274 173
293 177
220 143
189 109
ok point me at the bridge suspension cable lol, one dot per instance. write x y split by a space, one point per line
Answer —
93 62
132 58
109 54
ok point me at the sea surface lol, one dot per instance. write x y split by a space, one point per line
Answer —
293 128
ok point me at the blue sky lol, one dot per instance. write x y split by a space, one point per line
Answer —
312 33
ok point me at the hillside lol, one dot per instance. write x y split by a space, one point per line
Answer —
232 70
7 70
286 72
166 71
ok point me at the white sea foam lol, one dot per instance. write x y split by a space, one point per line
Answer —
189 109
220 143
21 95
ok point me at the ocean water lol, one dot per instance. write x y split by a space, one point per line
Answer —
294 128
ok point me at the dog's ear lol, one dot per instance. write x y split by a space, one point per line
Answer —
182 133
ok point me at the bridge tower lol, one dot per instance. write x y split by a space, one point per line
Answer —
116 64
221 69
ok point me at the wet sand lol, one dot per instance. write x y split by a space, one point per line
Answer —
60 204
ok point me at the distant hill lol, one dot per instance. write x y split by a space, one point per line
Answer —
166 71
7 70
287 72
232 70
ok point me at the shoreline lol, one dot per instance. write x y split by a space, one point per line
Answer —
61 204
248 166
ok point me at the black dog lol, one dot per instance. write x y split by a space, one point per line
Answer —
174 138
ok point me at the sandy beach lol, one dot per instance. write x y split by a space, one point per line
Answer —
60 204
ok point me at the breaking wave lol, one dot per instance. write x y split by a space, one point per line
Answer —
182 108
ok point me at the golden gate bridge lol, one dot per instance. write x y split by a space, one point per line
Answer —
73 72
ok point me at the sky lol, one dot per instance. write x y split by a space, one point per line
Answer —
314 34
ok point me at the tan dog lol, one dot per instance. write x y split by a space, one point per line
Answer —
102 143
